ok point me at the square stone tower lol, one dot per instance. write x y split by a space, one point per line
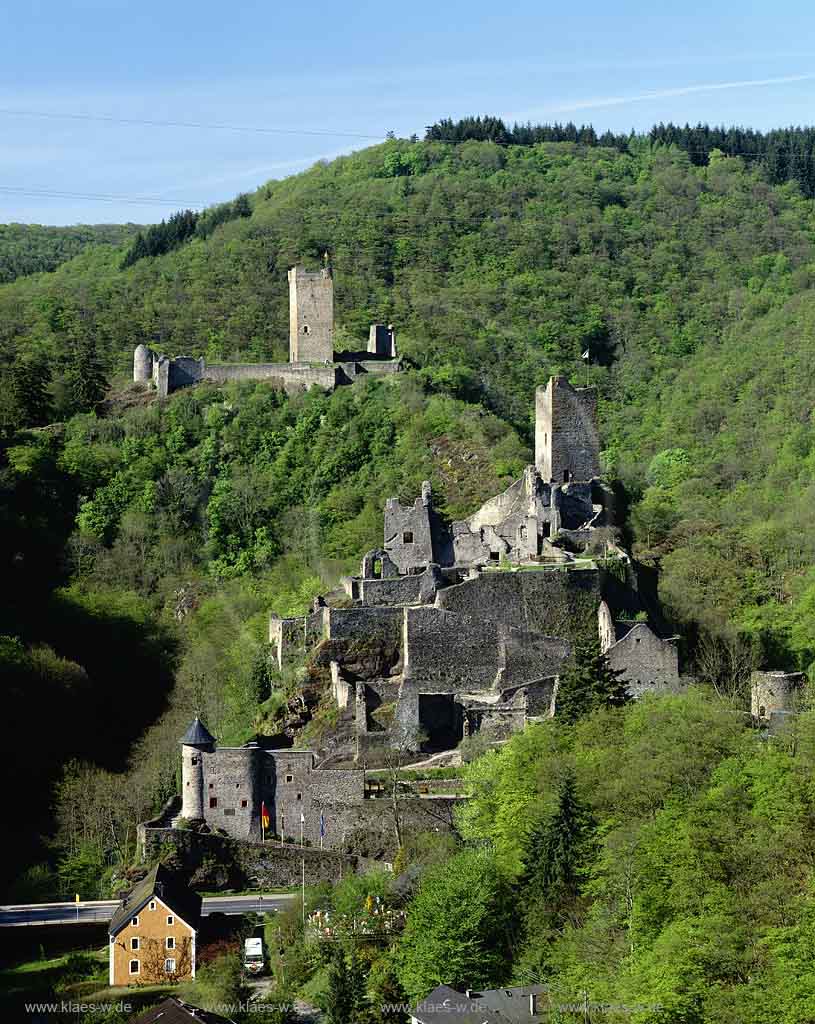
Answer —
311 315
567 446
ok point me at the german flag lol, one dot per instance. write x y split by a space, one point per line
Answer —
264 815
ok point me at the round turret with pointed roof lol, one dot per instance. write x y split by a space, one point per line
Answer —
197 735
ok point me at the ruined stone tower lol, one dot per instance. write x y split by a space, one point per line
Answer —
142 363
311 315
567 446
196 742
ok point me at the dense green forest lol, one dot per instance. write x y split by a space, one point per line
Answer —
146 542
33 248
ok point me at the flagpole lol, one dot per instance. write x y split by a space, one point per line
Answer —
304 892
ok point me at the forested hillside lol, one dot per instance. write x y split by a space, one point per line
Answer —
146 542
32 248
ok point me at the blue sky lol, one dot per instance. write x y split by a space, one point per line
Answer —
355 68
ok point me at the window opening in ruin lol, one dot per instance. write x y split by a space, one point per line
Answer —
213 801
244 803
407 537
193 760
299 796
441 719
378 569
289 778
565 476
495 556
306 329
212 785
762 711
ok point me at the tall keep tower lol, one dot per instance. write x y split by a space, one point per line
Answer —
567 446
195 743
311 315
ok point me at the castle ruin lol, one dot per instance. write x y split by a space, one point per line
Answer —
468 624
312 359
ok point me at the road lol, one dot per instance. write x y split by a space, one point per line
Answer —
102 910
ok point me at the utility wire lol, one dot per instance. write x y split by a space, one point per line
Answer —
96 196
186 124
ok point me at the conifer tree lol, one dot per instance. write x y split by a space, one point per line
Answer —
30 378
550 884
588 683
346 988
86 378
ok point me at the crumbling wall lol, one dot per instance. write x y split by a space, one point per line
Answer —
446 651
649 664
554 602
567 444
775 693
408 533
528 656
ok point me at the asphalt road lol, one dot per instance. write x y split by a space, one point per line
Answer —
102 910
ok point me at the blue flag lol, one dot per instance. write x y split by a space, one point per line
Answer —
322 825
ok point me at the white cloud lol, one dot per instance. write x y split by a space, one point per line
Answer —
597 102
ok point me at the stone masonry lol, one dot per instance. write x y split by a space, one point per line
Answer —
312 360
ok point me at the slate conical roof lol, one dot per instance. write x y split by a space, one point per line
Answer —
197 735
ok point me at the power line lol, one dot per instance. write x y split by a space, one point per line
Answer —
101 197
51 115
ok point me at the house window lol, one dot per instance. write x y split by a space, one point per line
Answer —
244 803
289 778
170 942
299 796
152 904
170 919
169 965
134 942
213 801
134 921
134 966
407 537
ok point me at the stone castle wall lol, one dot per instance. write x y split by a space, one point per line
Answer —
567 444
555 602
648 663
311 316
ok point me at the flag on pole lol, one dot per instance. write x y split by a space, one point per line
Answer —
264 815
322 825
302 818
585 356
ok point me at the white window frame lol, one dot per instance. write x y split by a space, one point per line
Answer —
169 942
135 921
170 919
152 904
138 967
134 943
169 960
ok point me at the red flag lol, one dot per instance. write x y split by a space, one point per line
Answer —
264 815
